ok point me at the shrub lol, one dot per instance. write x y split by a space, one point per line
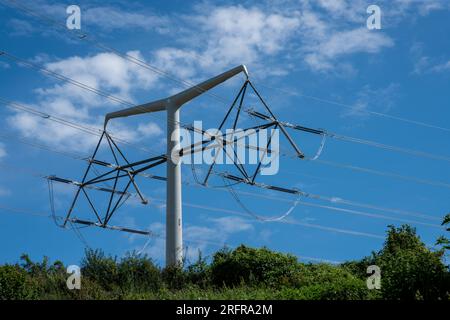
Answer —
199 273
174 277
409 275
253 267
322 273
100 268
349 288
359 268
409 270
15 284
138 273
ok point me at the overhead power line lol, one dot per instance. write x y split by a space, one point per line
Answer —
353 108
82 128
345 202
281 126
6 209
96 132
314 196
128 104
328 198
292 222
198 206
317 197
84 36
79 35
384 173
352 139
72 124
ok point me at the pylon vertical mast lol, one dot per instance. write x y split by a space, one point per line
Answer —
174 230
172 105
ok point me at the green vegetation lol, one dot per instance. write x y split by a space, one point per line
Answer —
409 270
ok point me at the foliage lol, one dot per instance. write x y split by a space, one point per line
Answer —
100 268
409 270
443 241
251 266
15 284
138 273
199 273
174 277
350 288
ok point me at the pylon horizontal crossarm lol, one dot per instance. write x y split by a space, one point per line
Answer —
79 184
101 178
286 124
110 165
178 99
117 228
223 140
261 185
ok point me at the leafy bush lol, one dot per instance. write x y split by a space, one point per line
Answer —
100 268
358 268
50 279
15 284
174 277
138 273
253 267
409 269
199 273
349 288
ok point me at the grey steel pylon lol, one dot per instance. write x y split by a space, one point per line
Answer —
172 105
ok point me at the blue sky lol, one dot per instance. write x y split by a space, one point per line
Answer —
317 65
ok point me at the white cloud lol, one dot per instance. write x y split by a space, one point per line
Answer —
323 35
266 36
2 150
382 99
356 40
269 38
344 9
51 133
113 18
226 36
421 65
4 65
20 27
424 64
422 7
198 238
104 17
149 129
232 224
104 71
184 63
441 67
333 30
4 192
